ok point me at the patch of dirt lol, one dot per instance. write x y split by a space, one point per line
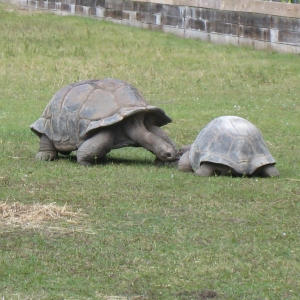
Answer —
139 297
197 295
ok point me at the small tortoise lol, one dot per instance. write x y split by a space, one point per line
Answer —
228 145
96 116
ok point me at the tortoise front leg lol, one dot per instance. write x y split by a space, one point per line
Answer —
135 129
95 147
47 150
206 169
149 122
184 163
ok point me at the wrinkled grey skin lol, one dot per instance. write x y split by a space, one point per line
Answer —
96 116
228 146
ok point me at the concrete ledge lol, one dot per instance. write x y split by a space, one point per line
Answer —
224 39
176 31
196 34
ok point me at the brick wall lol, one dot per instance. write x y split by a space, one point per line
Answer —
260 24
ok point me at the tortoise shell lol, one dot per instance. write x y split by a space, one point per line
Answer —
80 108
231 141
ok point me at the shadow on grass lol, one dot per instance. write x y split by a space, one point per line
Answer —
111 160
188 295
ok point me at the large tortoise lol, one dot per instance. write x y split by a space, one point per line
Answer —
96 116
228 145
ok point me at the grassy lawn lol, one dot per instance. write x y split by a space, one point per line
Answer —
132 230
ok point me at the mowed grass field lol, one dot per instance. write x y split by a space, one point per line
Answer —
128 229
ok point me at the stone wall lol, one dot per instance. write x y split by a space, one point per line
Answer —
259 24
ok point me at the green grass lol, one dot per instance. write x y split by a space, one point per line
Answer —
151 232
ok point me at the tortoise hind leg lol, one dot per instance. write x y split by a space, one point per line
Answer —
47 150
95 147
267 171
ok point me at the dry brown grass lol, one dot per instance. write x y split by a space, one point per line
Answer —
35 213
39 216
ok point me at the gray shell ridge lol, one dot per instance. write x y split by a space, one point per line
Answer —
231 141
80 108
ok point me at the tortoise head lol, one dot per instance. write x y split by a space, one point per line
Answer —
163 150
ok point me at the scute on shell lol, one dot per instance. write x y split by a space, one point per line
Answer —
231 141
